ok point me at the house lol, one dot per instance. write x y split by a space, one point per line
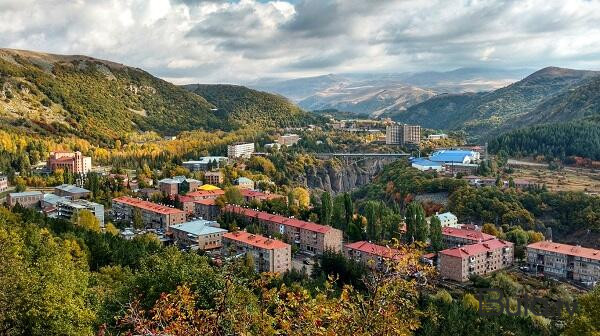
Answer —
27 199
460 263
371 254
288 139
269 255
205 194
203 234
244 183
206 209
564 261
71 191
308 236
454 237
206 163
240 150
213 178
73 162
425 165
153 215
448 219
178 185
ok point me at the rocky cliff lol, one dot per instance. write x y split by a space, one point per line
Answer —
341 177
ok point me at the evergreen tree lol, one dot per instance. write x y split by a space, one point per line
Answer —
371 212
338 217
326 209
435 235
348 209
416 226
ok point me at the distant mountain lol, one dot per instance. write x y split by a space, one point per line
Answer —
101 100
527 101
387 93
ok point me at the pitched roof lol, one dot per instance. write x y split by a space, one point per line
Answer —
458 156
572 250
25 193
205 193
467 234
446 216
378 250
425 162
138 203
208 186
475 249
243 180
199 227
206 201
71 188
310 226
255 240
259 194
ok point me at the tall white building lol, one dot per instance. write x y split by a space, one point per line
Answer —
240 150
403 134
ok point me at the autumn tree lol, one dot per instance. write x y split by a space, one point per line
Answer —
86 219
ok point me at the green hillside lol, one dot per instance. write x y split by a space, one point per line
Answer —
239 105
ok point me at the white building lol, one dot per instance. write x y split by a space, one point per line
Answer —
448 219
425 165
437 136
67 208
240 150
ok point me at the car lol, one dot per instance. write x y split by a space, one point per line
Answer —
524 268
308 261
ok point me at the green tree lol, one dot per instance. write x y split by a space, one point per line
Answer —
233 195
326 208
338 217
435 228
373 225
86 220
138 222
348 209
416 225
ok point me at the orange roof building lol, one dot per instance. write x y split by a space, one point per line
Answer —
476 259
153 215
270 255
564 261
371 254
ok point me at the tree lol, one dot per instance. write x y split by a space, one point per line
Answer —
470 302
490 228
435 228
138 222
416 225
348 209
585 320
326 208
111 229
302 196
373 225
338 217
20 184
86 219
233 195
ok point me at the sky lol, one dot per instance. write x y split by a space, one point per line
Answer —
210 41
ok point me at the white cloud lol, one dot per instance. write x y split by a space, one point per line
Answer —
220 41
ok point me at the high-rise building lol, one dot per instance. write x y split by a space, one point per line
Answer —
403 134
73 162
240 150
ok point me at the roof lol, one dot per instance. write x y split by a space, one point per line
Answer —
475 249
425 162
205 193
572 250
207 201
25 194
177 180
467 234
457 156
80 204
243 180
208 187
138 203
259 194
206 160
446 216
378 250
71 189
255 240
53 199
199 227
261 215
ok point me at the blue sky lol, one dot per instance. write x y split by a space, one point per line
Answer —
218 41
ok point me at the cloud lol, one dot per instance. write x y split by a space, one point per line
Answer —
233 41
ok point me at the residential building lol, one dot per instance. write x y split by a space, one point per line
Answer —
450 156
476 259
149 192
403 134
269 255
288 139
448 219
244 183
27 199
437 136
251 195
153 215
213 177
206 209
208 187
564 261
206 194
454 237
309 236
273 145
178 185
240 150
71 191
73 162
460 168
203 234
3 183
205 163
66 208
186 203
371 254
425 165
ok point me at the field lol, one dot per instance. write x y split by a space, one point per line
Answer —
567 179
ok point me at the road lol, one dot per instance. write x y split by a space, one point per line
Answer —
526 163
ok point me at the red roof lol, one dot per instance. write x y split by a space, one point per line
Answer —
265 216
571 250
138 203
256 240
475 249
259 194
208 201
466 234
374 249
206 193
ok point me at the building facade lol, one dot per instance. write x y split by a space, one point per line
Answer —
205 163
254 195
178 185
288 139
460 263
153 215
73 162
3 183
67 208
448 219
206 209
27 199
403 134
270 255
564 261
371 254
240 150
244 183
308 236
201 234
213 177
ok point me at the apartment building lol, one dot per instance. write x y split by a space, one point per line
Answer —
403 134
206 209
564 261
73 162
201 234
251 195
270 255
3 183
213 177
27 199
71 191
308 236
153 215
206 194
178 185
66 208
448 219
205 163
476 259
454 237
240 150
371 254
288 139
244 183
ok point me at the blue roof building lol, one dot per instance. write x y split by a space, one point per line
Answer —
424 164
201 234
454 156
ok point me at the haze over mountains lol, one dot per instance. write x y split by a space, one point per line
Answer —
378 94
